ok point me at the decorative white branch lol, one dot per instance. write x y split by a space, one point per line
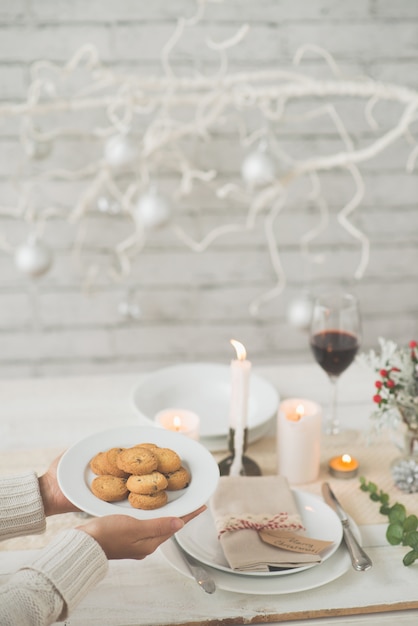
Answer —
206 100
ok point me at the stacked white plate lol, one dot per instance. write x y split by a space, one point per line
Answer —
205 388
199 539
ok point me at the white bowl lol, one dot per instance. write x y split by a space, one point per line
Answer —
205 389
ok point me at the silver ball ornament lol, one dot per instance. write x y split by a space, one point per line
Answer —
258 168
129 310
120 151
38 150
104 205
152 210
299 312
33 258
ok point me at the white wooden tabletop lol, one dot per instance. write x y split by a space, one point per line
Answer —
49 414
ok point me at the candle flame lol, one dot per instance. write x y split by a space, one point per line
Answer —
297 415
177 422
346 458
300 411
239 349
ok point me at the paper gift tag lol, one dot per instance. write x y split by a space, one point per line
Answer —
293 542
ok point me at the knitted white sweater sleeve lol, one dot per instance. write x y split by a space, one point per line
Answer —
21 507
50 587
61 574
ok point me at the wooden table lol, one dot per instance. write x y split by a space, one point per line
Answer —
39 418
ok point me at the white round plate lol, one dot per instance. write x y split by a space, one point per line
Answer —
204 388
74 474
199 537
334 567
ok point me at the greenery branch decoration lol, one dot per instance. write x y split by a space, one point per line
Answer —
402 528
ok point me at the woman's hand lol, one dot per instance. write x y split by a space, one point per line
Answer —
54 500
125 537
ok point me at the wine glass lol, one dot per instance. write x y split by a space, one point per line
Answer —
335 336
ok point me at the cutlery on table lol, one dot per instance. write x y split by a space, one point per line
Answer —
359 559
199 573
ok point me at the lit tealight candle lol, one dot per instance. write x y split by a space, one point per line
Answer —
343 466
298 440
180 421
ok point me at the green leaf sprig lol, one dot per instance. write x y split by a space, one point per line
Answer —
402 528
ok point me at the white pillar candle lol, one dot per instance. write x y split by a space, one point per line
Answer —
240 381
299 440
179 420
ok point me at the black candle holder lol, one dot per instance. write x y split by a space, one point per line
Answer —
249 467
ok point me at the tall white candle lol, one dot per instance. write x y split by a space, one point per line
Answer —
240 382
299 440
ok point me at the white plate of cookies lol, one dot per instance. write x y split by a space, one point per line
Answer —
143 471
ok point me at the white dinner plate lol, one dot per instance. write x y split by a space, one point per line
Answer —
199 537
334 567
74 474
205 388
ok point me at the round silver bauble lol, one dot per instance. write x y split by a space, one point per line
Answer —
152 210
33 258
258 168
299 312
120 151
38 150
104 205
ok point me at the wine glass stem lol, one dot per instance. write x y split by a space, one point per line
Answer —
333 424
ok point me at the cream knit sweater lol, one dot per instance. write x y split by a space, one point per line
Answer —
63 572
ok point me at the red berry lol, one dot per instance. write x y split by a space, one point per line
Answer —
395 369
377 399
413 344
383 373
378 384
390 384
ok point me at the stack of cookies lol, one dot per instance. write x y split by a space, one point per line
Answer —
142 473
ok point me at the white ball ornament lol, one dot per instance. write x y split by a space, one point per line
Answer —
38 150
299 312
152 210
120 151
258 168
33 258
104 205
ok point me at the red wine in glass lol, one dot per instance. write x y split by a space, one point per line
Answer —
334 341
334 350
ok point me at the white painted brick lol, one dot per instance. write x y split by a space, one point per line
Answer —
192 304
15 311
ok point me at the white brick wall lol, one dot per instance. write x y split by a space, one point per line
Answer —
192 304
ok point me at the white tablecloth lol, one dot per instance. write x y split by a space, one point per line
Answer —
39 418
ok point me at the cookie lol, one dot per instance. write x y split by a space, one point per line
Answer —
178 480
110 463
148 501
98 464
109 488
137 461
147 483
168 460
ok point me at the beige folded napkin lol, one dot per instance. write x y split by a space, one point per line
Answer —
243 505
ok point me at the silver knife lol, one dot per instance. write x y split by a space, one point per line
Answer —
359 559
199 573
